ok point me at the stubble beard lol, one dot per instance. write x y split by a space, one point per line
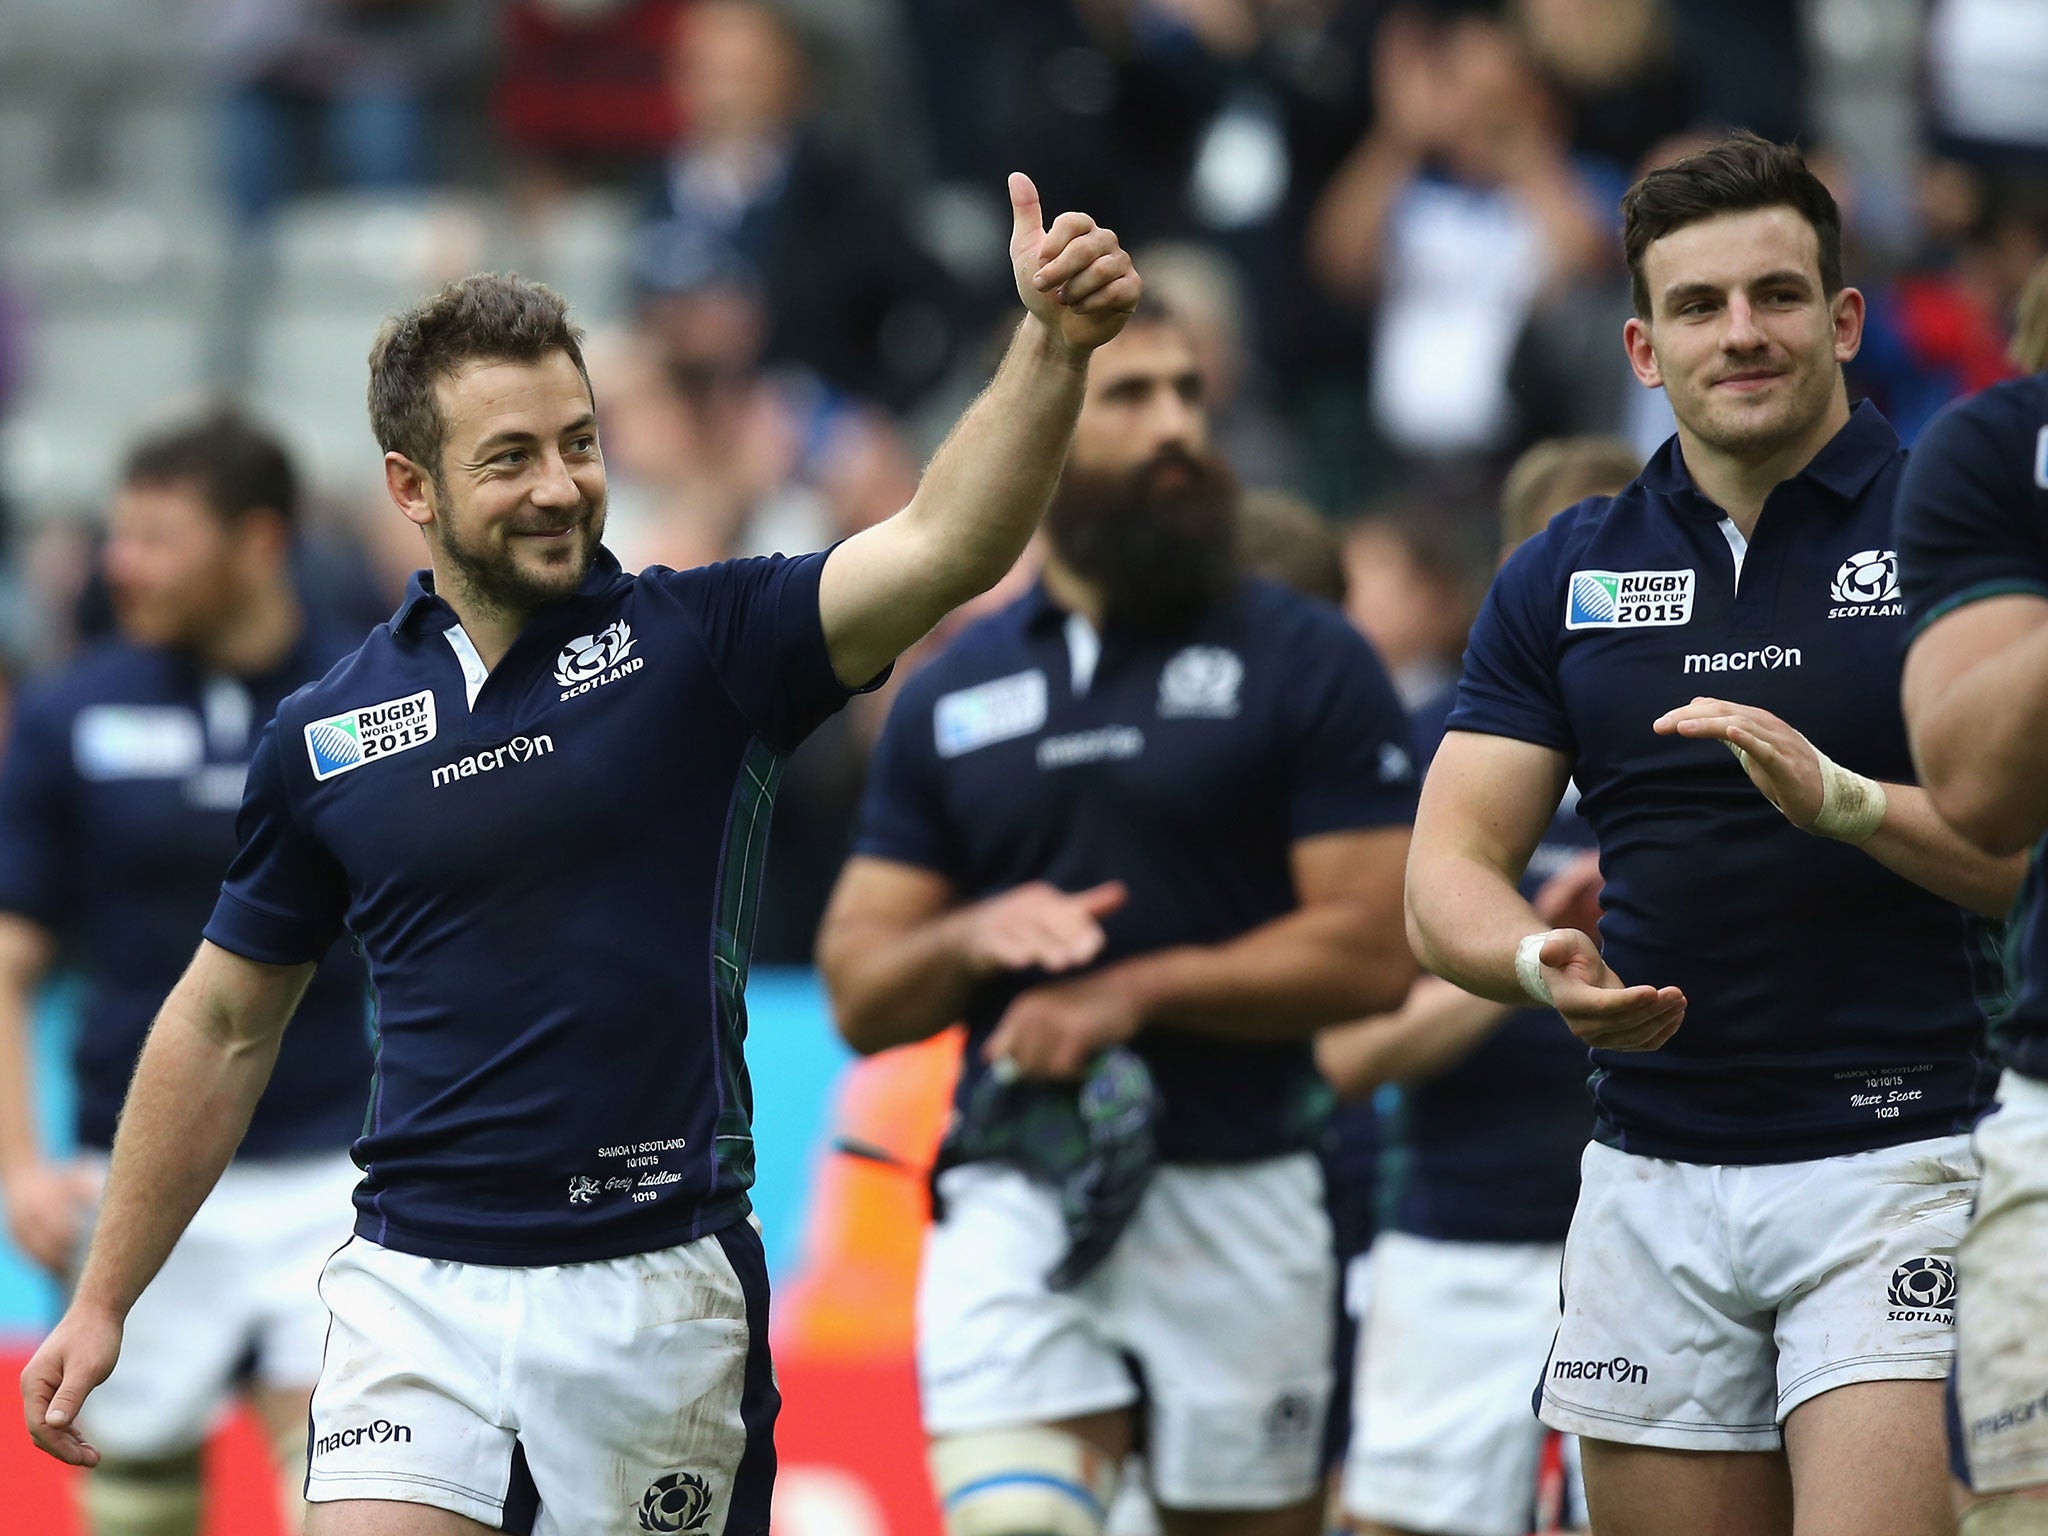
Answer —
1756 435
495 580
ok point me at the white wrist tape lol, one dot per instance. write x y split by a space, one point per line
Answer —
1851 806
1529 967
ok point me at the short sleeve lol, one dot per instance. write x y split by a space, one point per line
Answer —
1967 524
1350 759
902 809
285 897
1509 685
36 782
760 622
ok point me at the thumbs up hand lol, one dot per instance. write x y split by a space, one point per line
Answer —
1074 278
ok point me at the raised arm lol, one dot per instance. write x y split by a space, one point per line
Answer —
1976 702
1896 824
207 1059
1340 953
984 492
1484 808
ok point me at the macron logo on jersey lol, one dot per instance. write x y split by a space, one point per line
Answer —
343 743
1628 599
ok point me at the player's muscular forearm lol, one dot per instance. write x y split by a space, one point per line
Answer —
24 957
892 985
1915 842
1976 704
982 495
202 1070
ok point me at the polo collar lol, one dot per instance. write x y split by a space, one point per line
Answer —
421 598
1844 467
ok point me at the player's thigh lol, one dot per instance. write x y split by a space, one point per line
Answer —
1868 1457
997 1347
384 1517
644 1392
1653 1490
1225 1292
1659 1344
1858 1252
2001 1373
1446 1438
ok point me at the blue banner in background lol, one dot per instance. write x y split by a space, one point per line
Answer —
792 1052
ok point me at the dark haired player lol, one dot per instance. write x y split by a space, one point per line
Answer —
1155 804
1973 568
1787 1018
117 814
539 798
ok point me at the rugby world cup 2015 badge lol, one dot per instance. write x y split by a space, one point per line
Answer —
1628 599
343 743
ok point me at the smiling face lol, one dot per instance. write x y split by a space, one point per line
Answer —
515 509
1747 345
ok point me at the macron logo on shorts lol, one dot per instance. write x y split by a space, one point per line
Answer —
343 743
378 1432
1619 1369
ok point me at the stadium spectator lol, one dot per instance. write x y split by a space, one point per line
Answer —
327 83
1616 62
582 95
1479 1157
528 1130
117 811
1451 217
848 292
1143 827
1759 1272
1974 573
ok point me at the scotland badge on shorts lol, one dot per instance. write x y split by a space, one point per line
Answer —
681 1501
1923 1291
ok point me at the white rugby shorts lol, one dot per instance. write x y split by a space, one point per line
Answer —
1222 1292
630 1394
1999 1429
238 1290
1703 1303
1450 1346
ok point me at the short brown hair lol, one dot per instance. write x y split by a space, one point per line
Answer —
487 317
1740 173
1284 539
2030 324
235 465
1556 472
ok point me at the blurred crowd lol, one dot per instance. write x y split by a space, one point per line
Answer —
1392 225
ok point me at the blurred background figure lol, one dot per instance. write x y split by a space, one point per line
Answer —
118 796
1472 1116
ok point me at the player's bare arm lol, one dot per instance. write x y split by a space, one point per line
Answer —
1484 808
1976 706
1439 1025
1898 826
1338 954
900 953
205 1064
985 490
46 1202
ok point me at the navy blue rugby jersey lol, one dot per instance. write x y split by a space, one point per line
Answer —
1489 1151
117 818
1834 1006
1184 767
553 871
1973 523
